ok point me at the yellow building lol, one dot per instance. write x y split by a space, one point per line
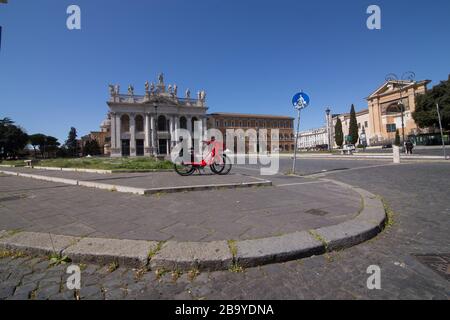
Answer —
385 114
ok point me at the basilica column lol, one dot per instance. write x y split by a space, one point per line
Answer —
189 124
118 135
177 126
204 128
153 135
147 149
132 135
113 132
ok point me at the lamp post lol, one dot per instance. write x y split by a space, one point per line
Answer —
327 111
442 132
405 77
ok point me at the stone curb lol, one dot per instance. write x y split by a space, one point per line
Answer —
100 171
36 243
208 187
215 255
132 253
139 191
111 187
291 246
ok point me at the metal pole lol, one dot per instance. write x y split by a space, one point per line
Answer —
296 142
403 121
442 133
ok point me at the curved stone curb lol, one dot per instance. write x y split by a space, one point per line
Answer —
140 191
291 246
36 243
133 253
215 255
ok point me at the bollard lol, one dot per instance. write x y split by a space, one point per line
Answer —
396 154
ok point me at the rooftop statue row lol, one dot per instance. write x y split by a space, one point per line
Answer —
151 89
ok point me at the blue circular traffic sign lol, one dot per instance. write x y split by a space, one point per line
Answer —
300 100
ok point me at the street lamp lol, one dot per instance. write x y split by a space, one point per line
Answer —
405 77
327 111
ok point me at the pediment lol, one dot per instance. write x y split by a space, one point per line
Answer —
389 86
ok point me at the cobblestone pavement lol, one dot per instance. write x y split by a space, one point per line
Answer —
248 213
417 193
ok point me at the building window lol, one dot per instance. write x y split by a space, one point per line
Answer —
183 123
139 123
391 127
366 124
359 125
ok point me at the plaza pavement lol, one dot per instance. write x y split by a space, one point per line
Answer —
417 193
140 183
296 204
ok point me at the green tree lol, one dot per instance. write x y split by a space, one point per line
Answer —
92 148
46 144
425 114
338 134
36 140
72 143
13 139
397 138
353 129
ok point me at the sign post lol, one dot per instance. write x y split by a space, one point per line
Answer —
442 132
299 101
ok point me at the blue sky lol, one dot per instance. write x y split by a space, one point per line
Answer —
249 55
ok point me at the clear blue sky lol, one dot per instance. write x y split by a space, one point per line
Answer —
249 55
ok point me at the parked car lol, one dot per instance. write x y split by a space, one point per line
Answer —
387 146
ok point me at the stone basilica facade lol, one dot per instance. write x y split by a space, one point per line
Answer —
144 125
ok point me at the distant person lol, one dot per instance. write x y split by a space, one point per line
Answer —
409 147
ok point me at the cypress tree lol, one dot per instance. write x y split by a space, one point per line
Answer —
338 134
353 129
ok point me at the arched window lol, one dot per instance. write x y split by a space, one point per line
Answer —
162 123
393 108
139 123
125 123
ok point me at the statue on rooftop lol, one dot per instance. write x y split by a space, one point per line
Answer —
175 90
188 94
152 88
203 95
169 89
147 86
161 78
112 90
130 90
